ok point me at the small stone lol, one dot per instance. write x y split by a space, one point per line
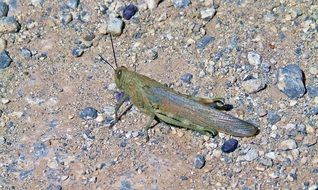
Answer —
26 52
204 41
9 25
73 4
152 3
269 17
187 78
253 85
291 81
201 74
288 144
309 140
313 70
229 145
3 44
273 118
183 178
126 185
4 9
2 140
37 2
199 161
119 95
39 150
129 11
254 58
266 162
5 60
88 113
208 14
312 91
5 100
152 54
66 18
251 155
99 118
115 26
77 52
111 86
181 3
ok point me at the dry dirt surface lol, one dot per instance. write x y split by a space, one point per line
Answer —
58 97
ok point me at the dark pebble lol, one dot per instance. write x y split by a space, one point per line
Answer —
88 113
199 161
129 11
39 150
315 171
125 185
10 125
229 145
291 81
5 60
119 96
187 78
312 91
315 111
183 178
273 118
4 9
73 4
25 52
204 41
281 35
123 144
87 134
77 52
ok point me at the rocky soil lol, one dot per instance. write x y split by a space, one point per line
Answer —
57 97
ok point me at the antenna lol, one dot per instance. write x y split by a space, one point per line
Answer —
101 57
111 39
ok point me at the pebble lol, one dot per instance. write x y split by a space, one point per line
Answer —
152 3
25 174
187 78
66 18
115 26
88 113
3 44
313 70
9 25
199 161
126 185
273 118
5 100
54 187
253 85
2 140
129 11
254 58
73 4
39 150
229 145
119 96
26 52
291 81
111 86
4 9
271 155
5 60
312 91
288 144
266 162
309 140
251 155
181 3
77 52
152 54
208 13
204 41
100 118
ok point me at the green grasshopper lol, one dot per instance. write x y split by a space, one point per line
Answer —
159 101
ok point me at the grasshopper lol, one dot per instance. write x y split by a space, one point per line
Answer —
159 101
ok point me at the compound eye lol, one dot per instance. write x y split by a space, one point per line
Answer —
119 74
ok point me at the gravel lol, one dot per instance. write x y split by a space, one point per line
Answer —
199 161
288 144
4 9
5 60
73 4
291 81
253 85
88 113
181 3
9 25
229 145
129 11
204 42
208 13
187 77
115 26
254 58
